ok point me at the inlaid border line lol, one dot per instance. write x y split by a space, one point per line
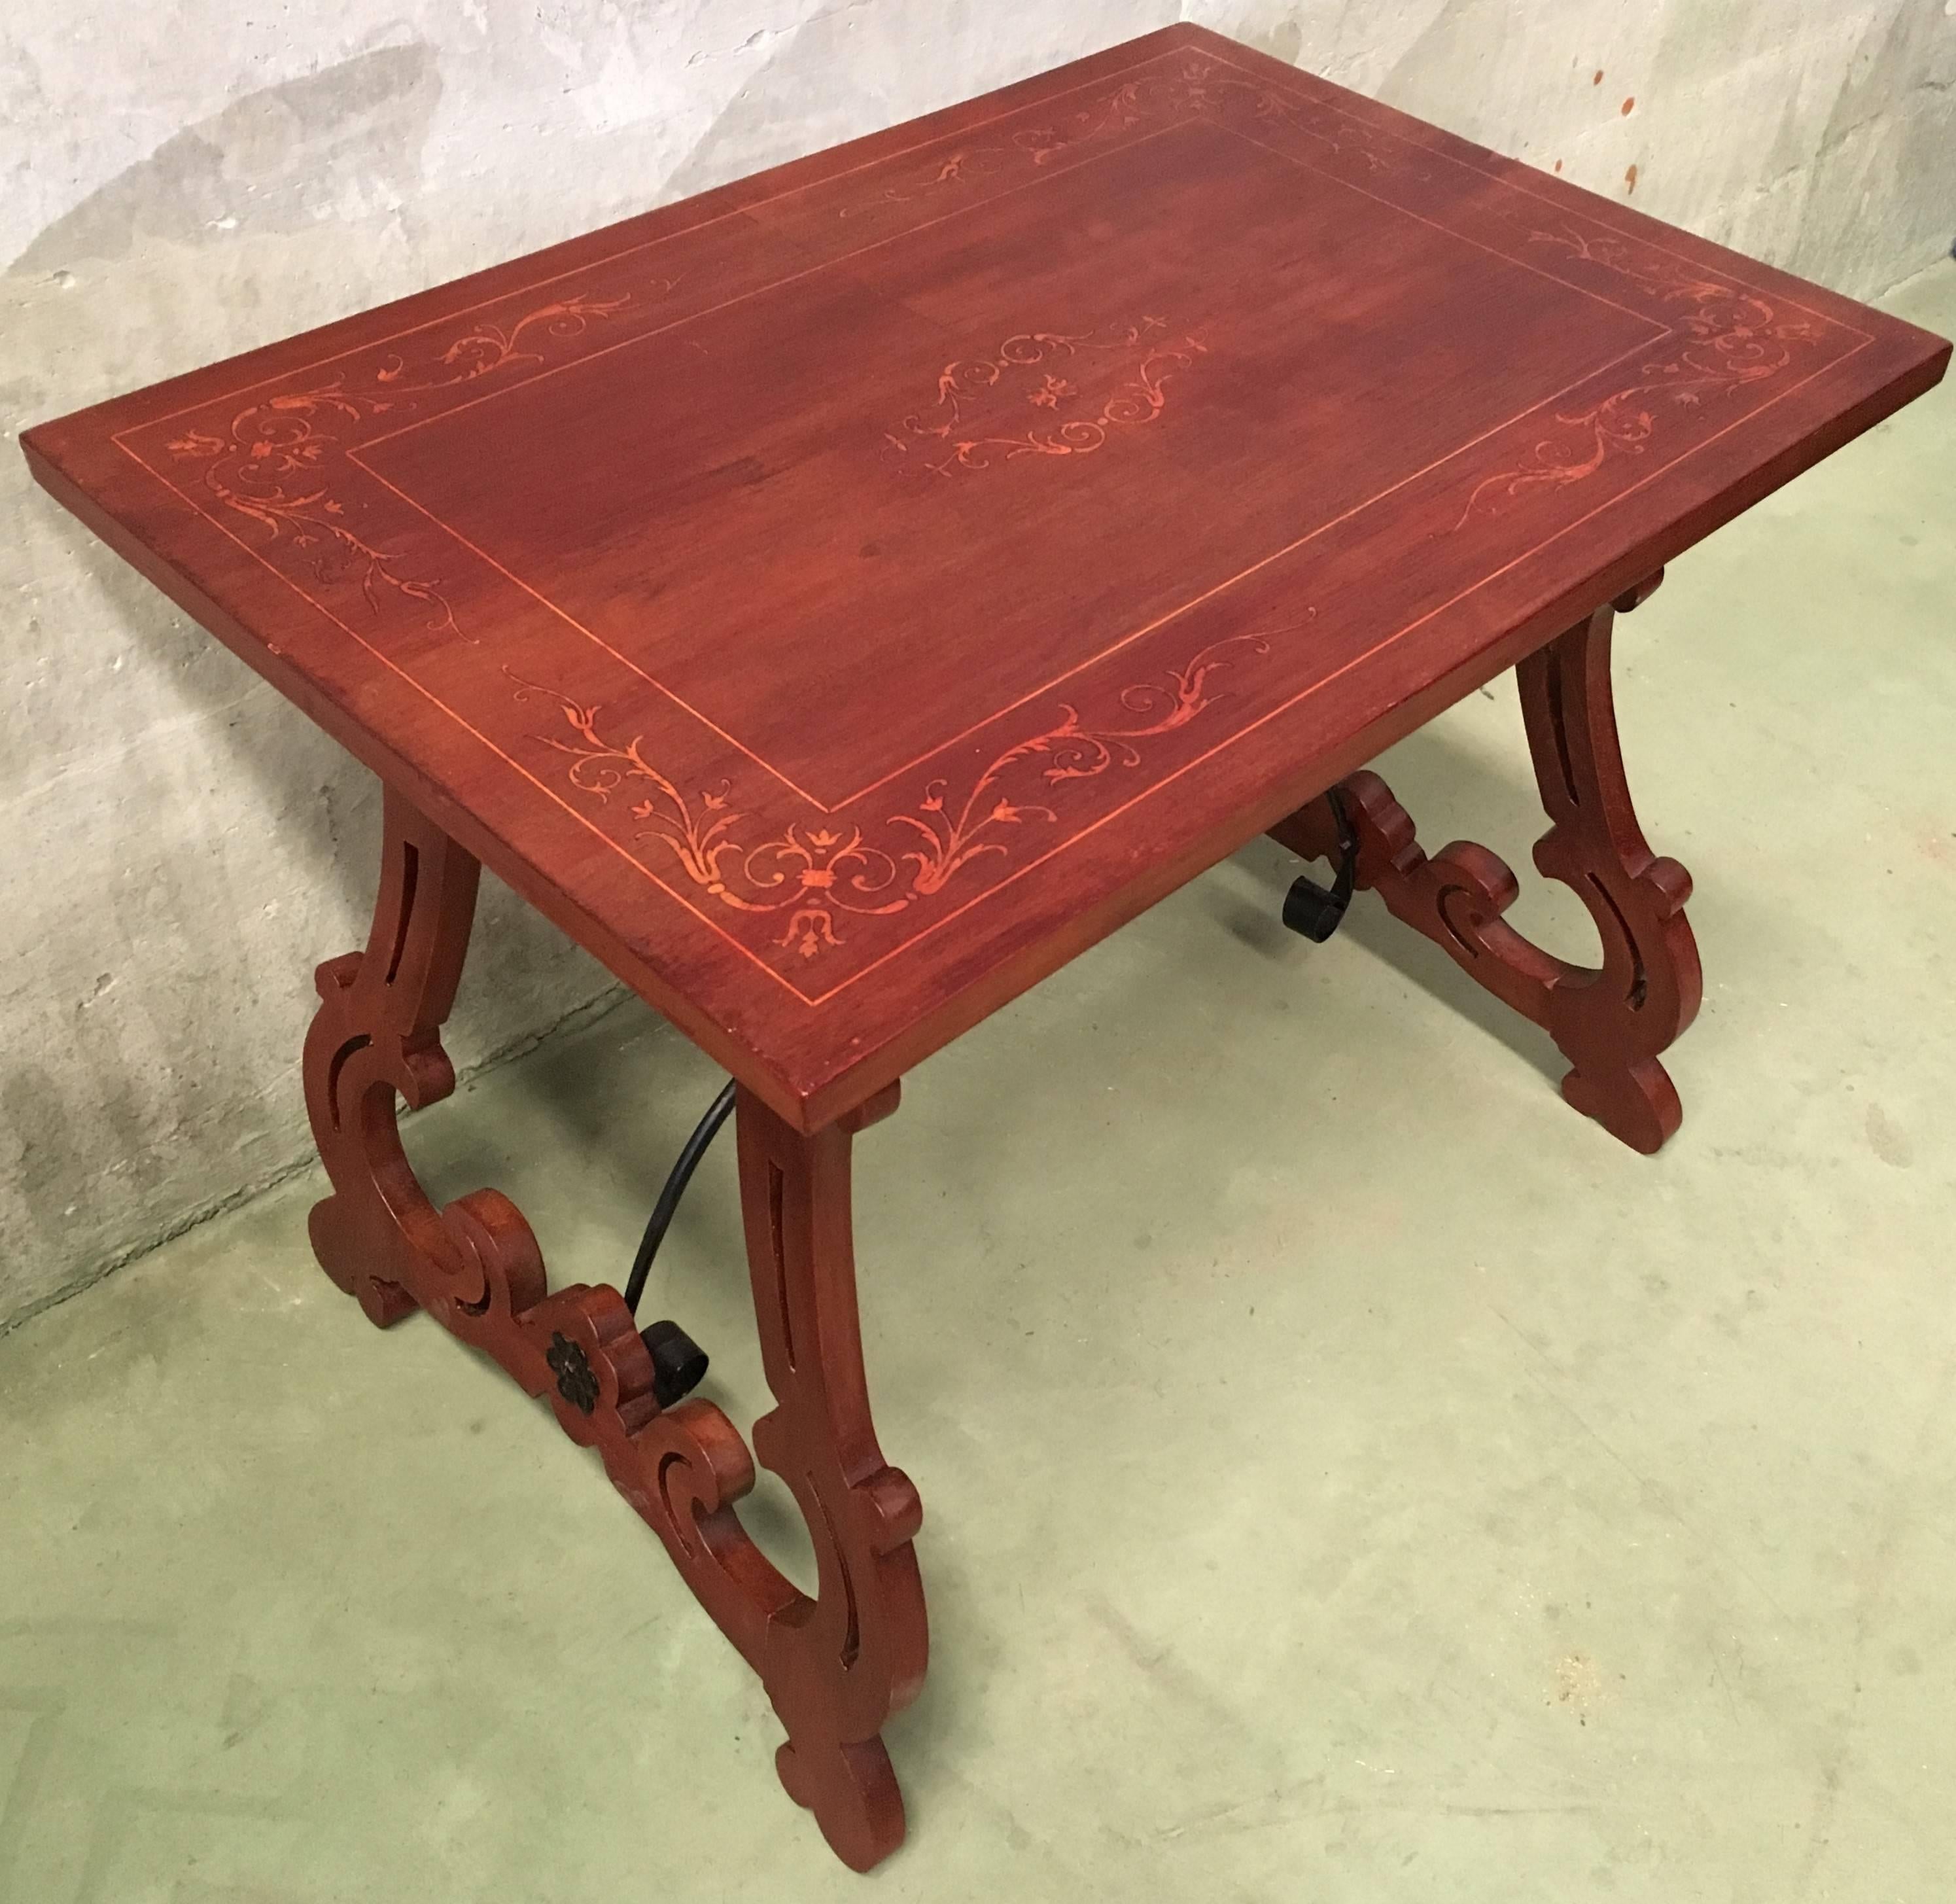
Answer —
645 245
1512 184
767 767
1319 686
917 938
1067 674
1658 331
469 728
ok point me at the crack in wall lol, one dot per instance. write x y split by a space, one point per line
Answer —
763 37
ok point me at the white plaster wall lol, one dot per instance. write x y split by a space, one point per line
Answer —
182 182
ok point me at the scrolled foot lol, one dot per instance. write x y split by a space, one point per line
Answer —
1611 1021
853 1792
1638 1104
836 1664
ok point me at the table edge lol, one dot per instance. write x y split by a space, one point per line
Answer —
817 1099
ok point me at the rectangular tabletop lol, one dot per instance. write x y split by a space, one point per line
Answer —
839 599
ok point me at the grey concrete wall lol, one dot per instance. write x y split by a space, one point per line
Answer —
184 182
1820 134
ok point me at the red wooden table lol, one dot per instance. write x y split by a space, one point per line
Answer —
839 599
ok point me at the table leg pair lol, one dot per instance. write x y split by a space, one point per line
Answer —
837 1664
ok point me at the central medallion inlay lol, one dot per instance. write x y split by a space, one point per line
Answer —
1045 393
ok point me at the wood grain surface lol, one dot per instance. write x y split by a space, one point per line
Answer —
840 599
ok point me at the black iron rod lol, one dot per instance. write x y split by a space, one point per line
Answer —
695 1148
1346 874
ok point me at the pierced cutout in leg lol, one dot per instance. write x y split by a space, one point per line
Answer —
838 1666
835 1664
1611 1021
377 1036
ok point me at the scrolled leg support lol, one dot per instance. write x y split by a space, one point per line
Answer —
1612 1021
835 1666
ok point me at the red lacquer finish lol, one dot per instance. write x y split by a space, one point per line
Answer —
840 599
835 1666
1611 1022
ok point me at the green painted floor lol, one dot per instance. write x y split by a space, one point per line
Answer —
1347 1475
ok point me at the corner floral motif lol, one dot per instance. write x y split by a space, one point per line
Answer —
811 876
275 464
271 468
1737 340
1140 358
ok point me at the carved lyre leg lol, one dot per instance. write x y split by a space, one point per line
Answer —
836 1665
377 1033
1611 1022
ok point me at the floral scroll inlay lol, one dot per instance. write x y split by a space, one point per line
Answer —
980 399
277 461
489 347
812 876
1734 339
272 470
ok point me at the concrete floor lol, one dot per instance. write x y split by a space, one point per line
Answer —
1348 1474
